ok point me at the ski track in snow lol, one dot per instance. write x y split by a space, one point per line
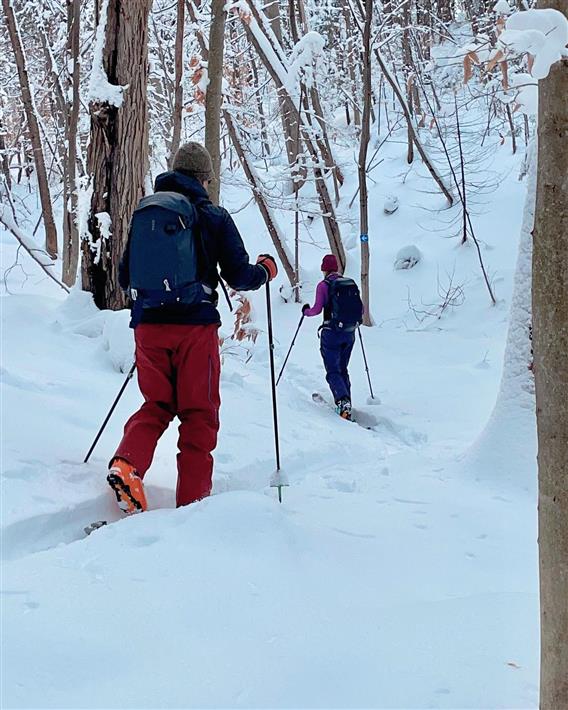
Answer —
390 577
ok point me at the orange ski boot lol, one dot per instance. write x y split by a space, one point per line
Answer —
128 487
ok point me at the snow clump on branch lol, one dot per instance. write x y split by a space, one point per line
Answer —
541 33
100 89
302 59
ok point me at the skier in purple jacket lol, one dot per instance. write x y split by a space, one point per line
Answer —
336 338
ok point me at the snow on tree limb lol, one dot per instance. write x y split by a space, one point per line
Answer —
541 33
40 256
100 89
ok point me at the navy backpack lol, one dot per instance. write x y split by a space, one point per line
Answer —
163 255
345 307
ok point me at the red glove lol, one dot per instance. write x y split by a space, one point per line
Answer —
268 263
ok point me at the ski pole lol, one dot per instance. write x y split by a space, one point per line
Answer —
276 481
290 349
111 410
365 360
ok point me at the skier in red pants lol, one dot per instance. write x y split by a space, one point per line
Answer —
177 239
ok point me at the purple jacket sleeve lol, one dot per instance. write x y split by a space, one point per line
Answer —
322 294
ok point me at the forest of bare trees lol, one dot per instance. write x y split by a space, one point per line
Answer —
289 96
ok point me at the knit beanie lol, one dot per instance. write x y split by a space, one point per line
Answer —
194 158
329 263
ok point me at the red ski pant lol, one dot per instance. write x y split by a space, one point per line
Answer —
178 374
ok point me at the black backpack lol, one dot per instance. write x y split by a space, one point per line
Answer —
344 307
163 254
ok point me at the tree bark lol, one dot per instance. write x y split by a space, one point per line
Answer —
407 71
214 95
445 10
70 194
4 155
351 61
427 162
269 22
362 168
550 343
269 221
326 205
33 127
118 151
178 88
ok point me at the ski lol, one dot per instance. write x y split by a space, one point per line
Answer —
320 399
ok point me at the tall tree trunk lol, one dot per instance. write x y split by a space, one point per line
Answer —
118 151
424 17
4 155
269 220
407 72
272 11
214 95
33 127
445 10
351 61
178 88
362 169
269 22
419 147
256 187
550 342
70 194
259 105
313 146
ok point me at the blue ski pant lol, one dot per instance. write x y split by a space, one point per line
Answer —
335 348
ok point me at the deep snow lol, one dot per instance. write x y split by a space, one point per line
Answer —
400 570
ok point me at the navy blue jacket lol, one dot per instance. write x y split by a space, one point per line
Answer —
221 246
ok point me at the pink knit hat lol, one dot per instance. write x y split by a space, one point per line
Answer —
329 263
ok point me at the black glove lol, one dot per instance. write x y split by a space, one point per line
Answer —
305 307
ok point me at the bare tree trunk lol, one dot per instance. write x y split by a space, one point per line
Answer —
351 62
178 88
362 168
269 22
4 155
272 11
56 96
424 17
261 116
445 10
118 151
70 194
33 127
407 70
326 205
214 95
269 221
550 343
396 89
324 145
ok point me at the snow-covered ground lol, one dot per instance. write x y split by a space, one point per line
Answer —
395 574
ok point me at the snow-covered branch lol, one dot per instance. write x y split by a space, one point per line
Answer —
40 256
